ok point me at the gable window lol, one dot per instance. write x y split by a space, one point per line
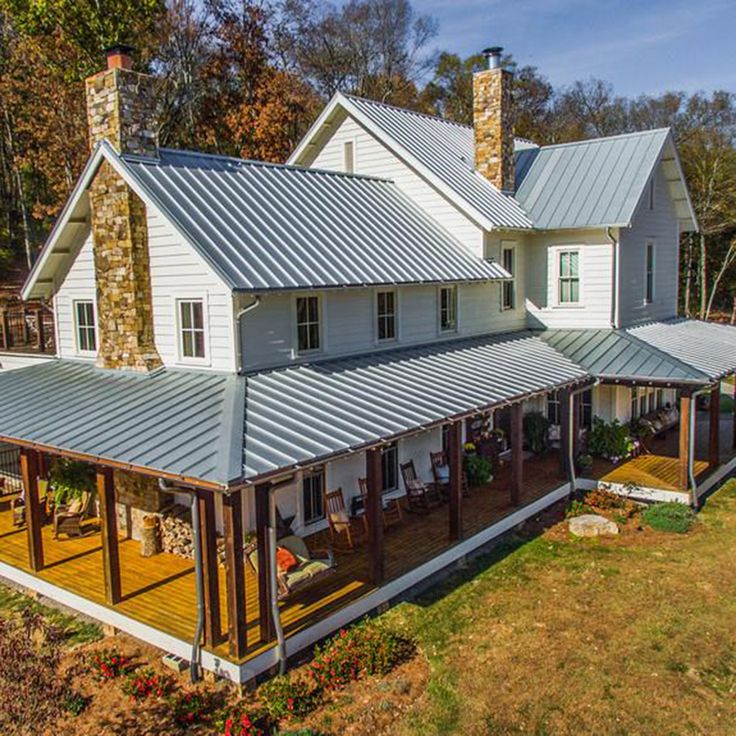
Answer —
307 324
349 157
649 272
508 288
568 291
191 328
553 407
390 467
651 193
386 315
448 309
313 496
84 316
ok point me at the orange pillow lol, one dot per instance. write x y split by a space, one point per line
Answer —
285 560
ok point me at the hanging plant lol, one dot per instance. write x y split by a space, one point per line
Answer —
70 479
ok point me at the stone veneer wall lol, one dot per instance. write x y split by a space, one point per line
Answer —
137 496
493 126
120 108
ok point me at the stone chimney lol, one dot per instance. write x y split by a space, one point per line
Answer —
121 109
493 122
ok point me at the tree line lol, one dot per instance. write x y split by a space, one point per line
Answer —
247 78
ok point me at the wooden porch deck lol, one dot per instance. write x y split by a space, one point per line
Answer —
160 591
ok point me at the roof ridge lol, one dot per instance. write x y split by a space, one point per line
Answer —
633 134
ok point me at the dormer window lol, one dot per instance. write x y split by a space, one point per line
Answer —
349 157
386 315
84 317
308 337
508 288
448 309
191 329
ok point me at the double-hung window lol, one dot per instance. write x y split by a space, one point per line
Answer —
84 317
390 467
308 338
649 272
508 288
191 329
568 290
553 407
313 495
386 315
448 309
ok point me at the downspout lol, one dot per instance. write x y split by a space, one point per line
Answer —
571 430
238 334
615 279
691 445
194 666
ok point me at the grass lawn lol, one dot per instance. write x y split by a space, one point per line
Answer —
629 635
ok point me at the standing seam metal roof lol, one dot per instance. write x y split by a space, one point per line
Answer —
266 226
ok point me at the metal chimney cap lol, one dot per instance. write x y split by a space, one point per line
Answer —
493 54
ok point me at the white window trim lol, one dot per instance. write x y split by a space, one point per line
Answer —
75 322
397 317
322 311
182 359
354 141
653 243
556 252
510 245
456 329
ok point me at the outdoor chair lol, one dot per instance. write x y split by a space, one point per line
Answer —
68 517
340 529
18 505
441 474
391 507
422 497
307 568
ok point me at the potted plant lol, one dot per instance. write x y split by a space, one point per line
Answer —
584 462
70 479
536 426
479 469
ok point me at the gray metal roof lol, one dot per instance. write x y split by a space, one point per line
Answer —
446 149
589 183
707 346
182 423
264 226
616 355
310 412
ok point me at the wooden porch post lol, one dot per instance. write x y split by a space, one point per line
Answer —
684 451
517 452
714 442
29 470
208 540
455 461
374 513
232 508
565 435
264 562
109 533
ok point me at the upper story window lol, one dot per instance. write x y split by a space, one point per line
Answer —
191 329
308 331
651 192
508 288
553 407
84 317
386 315
568 290
390 467
448 309
649 272
349 157
313 497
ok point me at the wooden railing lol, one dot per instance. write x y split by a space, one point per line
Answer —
27 328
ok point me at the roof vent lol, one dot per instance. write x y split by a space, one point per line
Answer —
493 56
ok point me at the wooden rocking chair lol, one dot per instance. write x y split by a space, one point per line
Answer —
340 528
68 518
391 508
421 496
18 505
441 473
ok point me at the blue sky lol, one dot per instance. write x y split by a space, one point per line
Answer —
641 47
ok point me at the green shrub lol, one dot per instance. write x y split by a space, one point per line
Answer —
284 696
478 469
536 426
577 508
70 479
669 517
610 440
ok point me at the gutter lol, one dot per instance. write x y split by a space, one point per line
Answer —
239 335
571 430
615 279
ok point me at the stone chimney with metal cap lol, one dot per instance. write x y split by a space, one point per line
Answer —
493 122
121 109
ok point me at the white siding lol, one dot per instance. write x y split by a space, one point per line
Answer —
659 225
373 158
78 283
594 308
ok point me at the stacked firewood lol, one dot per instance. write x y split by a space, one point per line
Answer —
176 533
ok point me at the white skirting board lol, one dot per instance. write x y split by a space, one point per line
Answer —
302 639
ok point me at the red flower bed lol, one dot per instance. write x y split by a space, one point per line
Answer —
145 683
108 664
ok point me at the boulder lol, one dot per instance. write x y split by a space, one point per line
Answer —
592 525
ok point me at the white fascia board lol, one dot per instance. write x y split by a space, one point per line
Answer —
678 164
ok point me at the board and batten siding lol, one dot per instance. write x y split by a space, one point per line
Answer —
541 259
659 226
373 158
349 322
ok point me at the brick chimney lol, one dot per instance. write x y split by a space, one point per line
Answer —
493 122
121 109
